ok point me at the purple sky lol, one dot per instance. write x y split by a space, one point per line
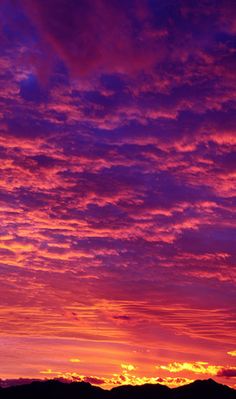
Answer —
117 190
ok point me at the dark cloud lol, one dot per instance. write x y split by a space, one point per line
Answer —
94 380
76 36
121 317
5 383
31 90
230 372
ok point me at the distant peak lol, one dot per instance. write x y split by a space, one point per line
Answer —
208 381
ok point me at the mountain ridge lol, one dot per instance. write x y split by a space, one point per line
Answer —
54 389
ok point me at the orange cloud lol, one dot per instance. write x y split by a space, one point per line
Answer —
74 360
117 379
232 353
196 367
128 367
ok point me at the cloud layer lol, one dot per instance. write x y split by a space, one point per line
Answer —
117 189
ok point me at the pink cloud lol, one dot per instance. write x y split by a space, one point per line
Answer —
77 37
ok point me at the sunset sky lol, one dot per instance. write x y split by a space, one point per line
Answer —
117 190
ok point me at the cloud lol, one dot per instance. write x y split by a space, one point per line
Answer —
74 360
79 40
120 379
117 177
94 380
5 383
48 371
197 367
128 367
227 372
232 353
121 317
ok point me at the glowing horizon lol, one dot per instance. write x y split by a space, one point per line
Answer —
117 191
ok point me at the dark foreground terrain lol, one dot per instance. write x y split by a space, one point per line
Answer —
204 389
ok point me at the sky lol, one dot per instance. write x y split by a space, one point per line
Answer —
117 191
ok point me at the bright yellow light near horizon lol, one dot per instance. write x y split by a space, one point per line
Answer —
128 367
196 367
74 360
232 353
48 371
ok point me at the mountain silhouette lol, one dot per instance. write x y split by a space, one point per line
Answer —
53 389
146 391
208 389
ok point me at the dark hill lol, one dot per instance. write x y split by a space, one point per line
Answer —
146 391
54 390
205 389
208 389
